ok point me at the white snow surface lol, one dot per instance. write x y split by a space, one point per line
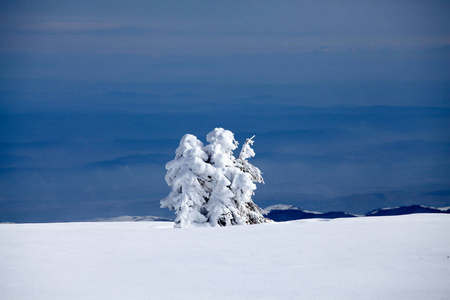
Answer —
399 257
131 219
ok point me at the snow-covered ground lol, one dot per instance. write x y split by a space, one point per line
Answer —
401 257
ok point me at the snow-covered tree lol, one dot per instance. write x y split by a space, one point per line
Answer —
187 175
211 186
222 207
243 186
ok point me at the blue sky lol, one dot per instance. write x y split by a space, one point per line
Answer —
349 101
221 27
225 41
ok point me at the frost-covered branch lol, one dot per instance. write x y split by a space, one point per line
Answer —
246 167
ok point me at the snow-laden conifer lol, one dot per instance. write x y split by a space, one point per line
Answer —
210 186
222 207
187 175
243 187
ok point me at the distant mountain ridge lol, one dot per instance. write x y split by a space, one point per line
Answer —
281 212
285 212
407 210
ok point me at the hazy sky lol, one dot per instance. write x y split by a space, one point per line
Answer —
349 101
225 41
221 27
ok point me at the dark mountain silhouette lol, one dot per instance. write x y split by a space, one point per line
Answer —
281 213
406 210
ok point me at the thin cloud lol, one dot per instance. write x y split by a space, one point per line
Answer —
70 26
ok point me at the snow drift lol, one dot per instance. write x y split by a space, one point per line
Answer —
401 257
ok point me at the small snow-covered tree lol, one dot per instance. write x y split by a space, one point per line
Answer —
211 186
243 185
221 207
187 175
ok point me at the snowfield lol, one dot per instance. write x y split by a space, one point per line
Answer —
401 257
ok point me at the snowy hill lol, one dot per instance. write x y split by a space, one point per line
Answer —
400 257
281 213
406 210
285 212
